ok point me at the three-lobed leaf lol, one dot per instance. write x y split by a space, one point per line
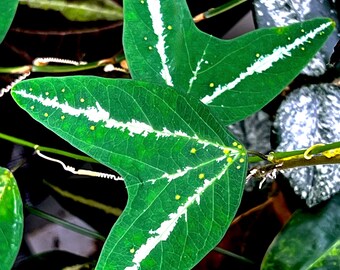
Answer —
183 171
235 78
11 219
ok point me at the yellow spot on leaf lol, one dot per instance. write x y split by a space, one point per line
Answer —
63 90
32 107
257 55
82 100
212 84
201 176
169 27
9 188
46 114
239 146
193 150
302 48
289 38
242 160
31 89
177 197
132 250
92 128
150 48
62 117
142 1
302 30
47 93
145 38
235 144
226 151
238 167
229 160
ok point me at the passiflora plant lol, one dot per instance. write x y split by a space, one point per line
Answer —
164 130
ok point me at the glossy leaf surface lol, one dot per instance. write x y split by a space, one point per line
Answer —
310 240
80 10
7 12
235 78
183 171
11 219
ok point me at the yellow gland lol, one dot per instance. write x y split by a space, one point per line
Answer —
177 197
201 176
193 150
226 151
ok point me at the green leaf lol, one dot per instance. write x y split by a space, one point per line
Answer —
80 10
11 219
235 78
310 240
7 12
184 172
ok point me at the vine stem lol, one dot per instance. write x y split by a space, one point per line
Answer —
318 154
46 149
46 67
218 10
63 223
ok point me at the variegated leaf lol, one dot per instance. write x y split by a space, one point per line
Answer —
183 171
235 78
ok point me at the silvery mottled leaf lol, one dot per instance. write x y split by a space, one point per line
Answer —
269 13
311 115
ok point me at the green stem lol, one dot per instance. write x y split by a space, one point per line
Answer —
46 149
63 223
48 68
218 10
233 255
282 155
223 8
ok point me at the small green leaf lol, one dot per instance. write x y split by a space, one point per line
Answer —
183 171
7 12
310 240
235 78
11 219
80 10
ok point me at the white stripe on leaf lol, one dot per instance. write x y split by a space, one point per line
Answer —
265 62
98 114
165 229
154 7
181 173
195 72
